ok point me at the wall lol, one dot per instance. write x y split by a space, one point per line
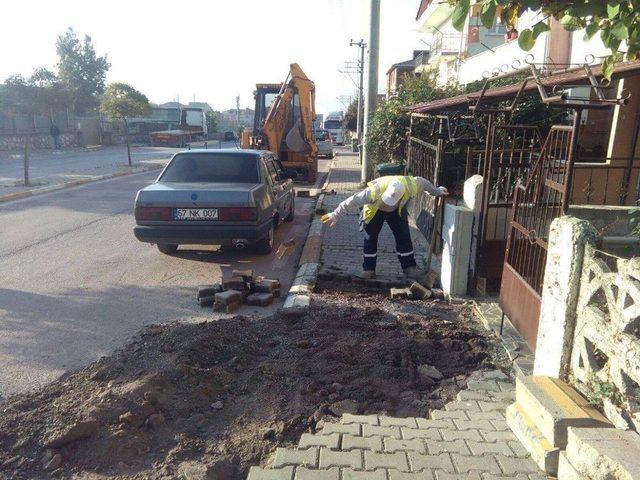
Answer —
39 141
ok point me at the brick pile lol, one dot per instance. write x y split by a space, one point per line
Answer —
241 287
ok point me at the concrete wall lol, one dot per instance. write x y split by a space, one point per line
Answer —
39 141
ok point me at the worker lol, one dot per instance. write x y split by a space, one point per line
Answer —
386 199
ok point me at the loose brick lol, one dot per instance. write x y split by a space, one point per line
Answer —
398 293
329 428
208 290
482 448
303 473
454 446
267 285
419 292
418 462
465 464
234 283
206 301
394 445
396 461
460 434
398 422
329 441
336 458
424 475
349 474
371 430
257 473
227 297
228 308
246 275
288 456
351 418
260 299
430 433
350 442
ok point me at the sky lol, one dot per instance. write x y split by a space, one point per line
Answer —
213 50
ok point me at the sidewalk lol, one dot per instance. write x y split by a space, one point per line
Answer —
341 251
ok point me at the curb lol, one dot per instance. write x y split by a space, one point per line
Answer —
73 183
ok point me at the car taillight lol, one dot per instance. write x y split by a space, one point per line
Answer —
153 213
238 214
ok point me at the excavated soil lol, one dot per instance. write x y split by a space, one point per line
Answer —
209 400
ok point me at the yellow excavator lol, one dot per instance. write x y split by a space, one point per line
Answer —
283 123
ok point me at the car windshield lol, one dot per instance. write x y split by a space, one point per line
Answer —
212 168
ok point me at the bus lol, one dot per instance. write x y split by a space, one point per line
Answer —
334 124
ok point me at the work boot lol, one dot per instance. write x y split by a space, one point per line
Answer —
368 274
415 274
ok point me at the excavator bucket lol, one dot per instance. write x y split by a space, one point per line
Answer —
295 139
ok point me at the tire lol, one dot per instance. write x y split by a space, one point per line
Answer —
292 213
167 248
265 246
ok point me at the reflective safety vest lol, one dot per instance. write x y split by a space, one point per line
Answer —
378 187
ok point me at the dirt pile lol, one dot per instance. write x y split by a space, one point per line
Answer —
210 400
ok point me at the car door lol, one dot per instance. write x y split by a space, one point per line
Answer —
286 186
276 185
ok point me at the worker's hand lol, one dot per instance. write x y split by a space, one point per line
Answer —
442 191
329 219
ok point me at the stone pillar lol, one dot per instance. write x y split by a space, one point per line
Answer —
457 228
472 198
567 239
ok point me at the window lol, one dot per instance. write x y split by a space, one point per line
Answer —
273 173
212 168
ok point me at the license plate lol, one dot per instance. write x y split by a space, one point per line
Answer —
195 214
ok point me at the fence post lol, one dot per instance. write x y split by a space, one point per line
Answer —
567 238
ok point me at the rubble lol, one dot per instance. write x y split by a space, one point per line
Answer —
401 293
260 299
419 292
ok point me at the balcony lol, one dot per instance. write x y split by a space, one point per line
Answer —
448 44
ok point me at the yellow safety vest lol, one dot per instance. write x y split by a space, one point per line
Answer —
378 187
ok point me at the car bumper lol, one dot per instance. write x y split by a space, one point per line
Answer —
201 234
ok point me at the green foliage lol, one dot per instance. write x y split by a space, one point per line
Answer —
634 221
81 70
122 101
351 116
618 21
40 94
600 390
212 121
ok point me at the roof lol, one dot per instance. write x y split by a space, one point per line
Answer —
492 95
407 64
226 151
424 4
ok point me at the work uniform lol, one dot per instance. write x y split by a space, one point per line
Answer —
376 210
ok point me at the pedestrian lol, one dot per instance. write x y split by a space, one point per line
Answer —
386 200
55 133
511 35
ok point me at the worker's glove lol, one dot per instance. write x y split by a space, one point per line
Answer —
442 192
330 219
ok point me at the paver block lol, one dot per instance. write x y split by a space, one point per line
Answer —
435 423
418 461
483 386
464 395
349 474
246 275
454 446
419 292
234 283
296 305
227 308
430 433
303 473
288 456
370 430
512 466
483 448
339 458
495 405
349 442
257 473
266 285
398 293
394 445
351 418
440 475
423 475
566 471
542 452
398 422
329 441
396 461
260 299
353 429
206 301
461 434
604 453
208 290
465 464
228 297
440 414
555 406
498 435
466 405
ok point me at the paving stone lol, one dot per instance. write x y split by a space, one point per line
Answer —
398 422
267 285
394 445
430 433
234 283
296 305
464 395
483 448
483 386
351 418
418 461
423 475
440 475
371 430
465 464
500 424
467 405
397 461
492 406
520 476
491 415
457 446
350 474
494 375
441 414
303 473
518 449
460 434
349 442
337 458
495 436
329 428
257 473
246 275
474 424
435 423
288 456
511 465
228 297
329 441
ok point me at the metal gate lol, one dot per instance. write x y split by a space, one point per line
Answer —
535 205
510 151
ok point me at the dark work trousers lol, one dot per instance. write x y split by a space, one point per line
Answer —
399 225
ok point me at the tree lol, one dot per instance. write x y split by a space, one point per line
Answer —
351 116
81 70
121 101
212 121
617 22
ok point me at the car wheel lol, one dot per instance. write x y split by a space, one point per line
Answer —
265 246
168 248
292 212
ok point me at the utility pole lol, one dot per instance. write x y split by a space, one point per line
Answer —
372 83
238 111
362 46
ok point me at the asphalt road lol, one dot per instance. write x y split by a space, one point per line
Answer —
76 284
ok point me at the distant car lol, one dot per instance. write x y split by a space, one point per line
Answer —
216 197
324 143
229 136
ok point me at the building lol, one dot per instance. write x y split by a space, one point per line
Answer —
233 119
206 108
398 72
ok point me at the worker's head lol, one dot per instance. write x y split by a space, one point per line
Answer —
393 193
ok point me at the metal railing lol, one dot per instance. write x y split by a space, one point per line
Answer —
444 43
613 181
